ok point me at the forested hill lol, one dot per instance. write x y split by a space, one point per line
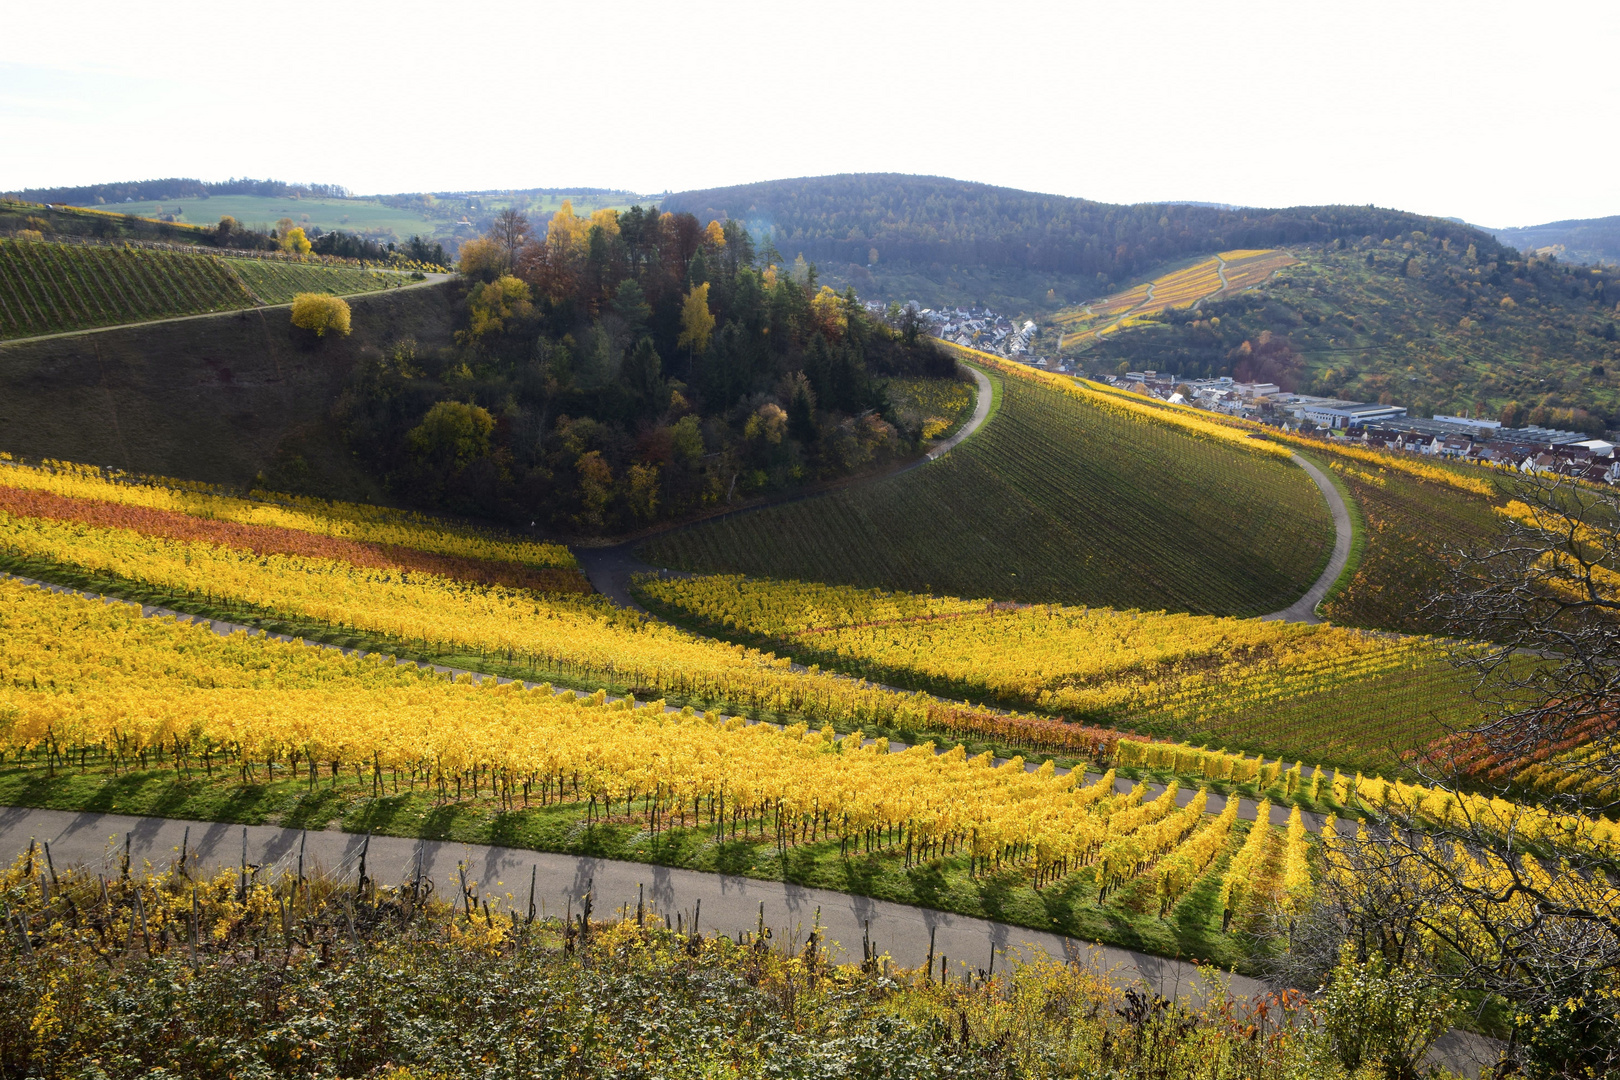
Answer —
882 230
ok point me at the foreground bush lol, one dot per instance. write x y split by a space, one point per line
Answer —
114 974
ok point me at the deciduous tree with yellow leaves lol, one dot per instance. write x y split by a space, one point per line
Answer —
321 313
697 323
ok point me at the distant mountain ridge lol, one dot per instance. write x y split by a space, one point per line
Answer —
174 187
859 226
1582 240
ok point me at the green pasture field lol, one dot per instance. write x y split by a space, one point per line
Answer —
1130 918
259 212
1052 500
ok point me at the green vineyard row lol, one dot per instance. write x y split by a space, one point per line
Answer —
1052 501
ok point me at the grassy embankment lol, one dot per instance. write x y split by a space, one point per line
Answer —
237 398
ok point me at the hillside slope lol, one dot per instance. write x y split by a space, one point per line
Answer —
1583 240
1053 500
49 288
939 240
220 399
1434 325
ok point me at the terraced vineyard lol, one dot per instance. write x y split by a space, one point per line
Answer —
48 288
1218 277
276 282
1287 689
1055 499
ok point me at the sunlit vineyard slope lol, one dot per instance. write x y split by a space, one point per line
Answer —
1217 278
1283 688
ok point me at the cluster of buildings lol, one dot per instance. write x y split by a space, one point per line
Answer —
978 328
1462 438
985 330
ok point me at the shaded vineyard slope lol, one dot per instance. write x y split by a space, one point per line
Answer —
233 399
48 288
1053 500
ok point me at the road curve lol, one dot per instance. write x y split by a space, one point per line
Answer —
1303 610
981 412
729 904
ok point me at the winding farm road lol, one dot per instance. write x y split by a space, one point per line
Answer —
1303 610
981 413
729 904
720 903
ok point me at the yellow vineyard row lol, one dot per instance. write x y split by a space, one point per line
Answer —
77 673
349 521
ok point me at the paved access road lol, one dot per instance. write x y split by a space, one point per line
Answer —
1303 610
721 903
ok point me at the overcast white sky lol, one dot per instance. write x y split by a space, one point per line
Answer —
1503 114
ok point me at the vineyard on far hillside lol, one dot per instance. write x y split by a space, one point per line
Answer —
273 281
48 288
1058 498
1282 688
1215 278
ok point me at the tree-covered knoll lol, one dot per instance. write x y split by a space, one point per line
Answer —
928 230
614 371
1417 319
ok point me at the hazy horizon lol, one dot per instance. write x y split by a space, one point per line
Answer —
1398 105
